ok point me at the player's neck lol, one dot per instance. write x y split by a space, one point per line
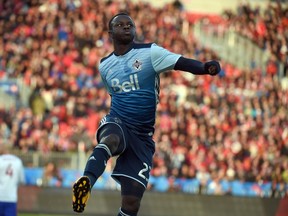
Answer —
121 49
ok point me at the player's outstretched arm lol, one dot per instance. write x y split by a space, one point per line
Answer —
196 67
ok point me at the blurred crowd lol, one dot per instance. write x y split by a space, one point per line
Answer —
267 28
230 127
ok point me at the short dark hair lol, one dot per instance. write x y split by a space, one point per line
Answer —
118 14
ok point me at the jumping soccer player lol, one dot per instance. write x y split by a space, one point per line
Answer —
131 76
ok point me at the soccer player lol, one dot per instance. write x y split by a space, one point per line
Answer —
11 175
131 76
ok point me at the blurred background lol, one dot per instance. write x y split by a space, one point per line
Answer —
221 142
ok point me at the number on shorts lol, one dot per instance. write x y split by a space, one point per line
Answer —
145 169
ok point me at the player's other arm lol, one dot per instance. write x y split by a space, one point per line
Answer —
196 67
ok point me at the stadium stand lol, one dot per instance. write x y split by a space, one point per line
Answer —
226 135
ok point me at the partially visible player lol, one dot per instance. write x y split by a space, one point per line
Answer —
131 76
11 176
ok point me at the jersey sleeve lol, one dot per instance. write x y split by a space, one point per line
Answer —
162 59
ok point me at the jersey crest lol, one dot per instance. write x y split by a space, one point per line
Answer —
137 65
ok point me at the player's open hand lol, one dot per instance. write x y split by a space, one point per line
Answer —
212 67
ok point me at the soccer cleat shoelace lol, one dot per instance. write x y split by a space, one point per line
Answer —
81 193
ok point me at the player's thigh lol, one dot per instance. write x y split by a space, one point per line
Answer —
136 161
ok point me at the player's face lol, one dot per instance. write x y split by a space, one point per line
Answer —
123 29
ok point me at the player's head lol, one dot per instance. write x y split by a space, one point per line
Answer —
110 25
122 28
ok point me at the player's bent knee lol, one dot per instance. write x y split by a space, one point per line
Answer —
112 141
112 136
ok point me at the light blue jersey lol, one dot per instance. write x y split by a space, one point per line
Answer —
132 80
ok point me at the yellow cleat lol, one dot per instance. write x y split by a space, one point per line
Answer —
81 193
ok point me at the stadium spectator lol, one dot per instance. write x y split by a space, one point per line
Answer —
52 176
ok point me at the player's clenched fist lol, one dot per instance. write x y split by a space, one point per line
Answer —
212 67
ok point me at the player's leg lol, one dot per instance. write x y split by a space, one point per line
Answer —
110 139
111 143
131 193
132 171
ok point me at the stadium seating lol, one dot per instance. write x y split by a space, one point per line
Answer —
236 120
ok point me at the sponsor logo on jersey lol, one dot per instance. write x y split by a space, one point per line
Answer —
130 85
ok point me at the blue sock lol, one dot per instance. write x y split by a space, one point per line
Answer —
125 213
96 163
